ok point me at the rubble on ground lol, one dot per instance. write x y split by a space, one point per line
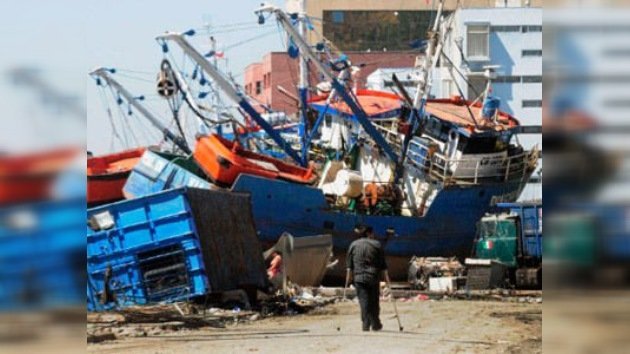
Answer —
155 320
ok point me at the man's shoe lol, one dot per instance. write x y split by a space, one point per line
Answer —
377 328
366 329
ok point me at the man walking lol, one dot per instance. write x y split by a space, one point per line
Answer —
365 263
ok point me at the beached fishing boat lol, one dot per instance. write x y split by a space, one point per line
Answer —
107 174
425 169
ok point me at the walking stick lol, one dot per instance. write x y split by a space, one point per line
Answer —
389 285
346 285
344 294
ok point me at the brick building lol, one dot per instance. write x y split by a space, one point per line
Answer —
261 79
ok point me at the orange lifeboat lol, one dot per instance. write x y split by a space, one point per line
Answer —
224 160
107 175
29 178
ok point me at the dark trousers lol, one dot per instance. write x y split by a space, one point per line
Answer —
368 294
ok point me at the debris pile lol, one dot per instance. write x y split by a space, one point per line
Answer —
143 321
422 269
155 320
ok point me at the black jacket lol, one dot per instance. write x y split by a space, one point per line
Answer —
366 260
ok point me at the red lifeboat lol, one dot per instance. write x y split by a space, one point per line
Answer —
107 174
224 160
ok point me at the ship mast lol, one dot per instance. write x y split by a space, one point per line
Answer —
230 91
303 84
104 74
338 87
434 48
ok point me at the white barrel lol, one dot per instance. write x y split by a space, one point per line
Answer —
348 183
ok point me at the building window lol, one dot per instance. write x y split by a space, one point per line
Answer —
377 29
507 79
529 79
532 53
532 103
337 16
447 88
478 41
527 29
505 28
258 87
267 81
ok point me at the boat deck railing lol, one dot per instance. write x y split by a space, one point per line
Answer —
389 130
468 170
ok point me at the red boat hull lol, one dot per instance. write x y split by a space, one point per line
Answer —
108 174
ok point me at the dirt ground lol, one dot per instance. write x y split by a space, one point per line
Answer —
429 327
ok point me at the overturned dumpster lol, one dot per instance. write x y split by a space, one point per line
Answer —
231 250
171 246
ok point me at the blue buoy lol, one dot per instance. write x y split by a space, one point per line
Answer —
490 106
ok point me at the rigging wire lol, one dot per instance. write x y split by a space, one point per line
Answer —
245 41
122 117
287 58
204 119
461 74
104 103
230 26
132 77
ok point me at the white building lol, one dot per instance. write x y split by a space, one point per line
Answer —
381 79
509 39
506 38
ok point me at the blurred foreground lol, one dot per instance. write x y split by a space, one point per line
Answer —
586 191
587 187
42 178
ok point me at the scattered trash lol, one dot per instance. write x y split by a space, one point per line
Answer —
422 269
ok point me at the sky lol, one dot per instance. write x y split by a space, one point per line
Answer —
65 39
50 38
121 34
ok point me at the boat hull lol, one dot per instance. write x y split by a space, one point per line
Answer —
447 229
107 188
107 175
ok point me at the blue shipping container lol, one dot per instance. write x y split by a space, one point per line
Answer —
143 251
